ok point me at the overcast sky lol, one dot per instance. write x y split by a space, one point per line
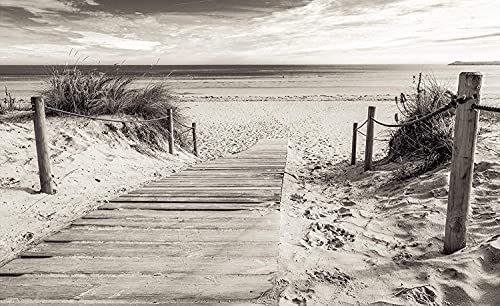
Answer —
248 31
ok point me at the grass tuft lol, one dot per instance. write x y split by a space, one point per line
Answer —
8 103
96 93
426 145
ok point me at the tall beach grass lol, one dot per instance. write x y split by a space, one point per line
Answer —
425 145
97 93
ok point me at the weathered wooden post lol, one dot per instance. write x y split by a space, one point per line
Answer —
354 142
42 147
462 165
170 123
195 140
370 125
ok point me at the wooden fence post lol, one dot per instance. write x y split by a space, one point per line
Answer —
42 148
370 125
195 140
170 122
354 142
462 165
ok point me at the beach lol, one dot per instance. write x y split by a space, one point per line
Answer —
348 237
357 238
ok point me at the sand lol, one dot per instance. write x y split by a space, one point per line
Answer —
91 164
347 237
354 238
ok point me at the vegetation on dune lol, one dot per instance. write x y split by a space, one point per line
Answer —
425 145
9 103
96 93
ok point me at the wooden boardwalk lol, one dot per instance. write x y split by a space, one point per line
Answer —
209 234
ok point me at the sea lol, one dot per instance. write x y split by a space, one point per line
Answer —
24 81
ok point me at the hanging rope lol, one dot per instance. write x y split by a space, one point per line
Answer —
363 124
453 104
182 124
486 108
104 119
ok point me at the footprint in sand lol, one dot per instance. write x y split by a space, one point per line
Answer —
335 277
327 236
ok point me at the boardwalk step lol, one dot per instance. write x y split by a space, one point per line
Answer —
146 265
143 288
155 249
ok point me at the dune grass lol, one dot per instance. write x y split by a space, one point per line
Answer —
9 103
96 93
426 145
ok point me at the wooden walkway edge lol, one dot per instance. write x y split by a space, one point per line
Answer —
207 235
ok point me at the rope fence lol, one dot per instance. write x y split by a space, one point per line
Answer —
182 124
486 108
468 107
170 119
452 104
104 119
41 139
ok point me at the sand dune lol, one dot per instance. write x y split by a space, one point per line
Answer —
91 164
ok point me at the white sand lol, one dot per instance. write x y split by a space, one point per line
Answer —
354 238
91 164
347 237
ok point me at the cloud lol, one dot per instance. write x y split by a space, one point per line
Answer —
261 31
469 37
90 39
39 6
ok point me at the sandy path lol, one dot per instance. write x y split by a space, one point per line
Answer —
354 238
316 127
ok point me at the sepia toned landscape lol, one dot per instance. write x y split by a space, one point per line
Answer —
235 183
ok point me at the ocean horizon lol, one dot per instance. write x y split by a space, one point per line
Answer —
24 81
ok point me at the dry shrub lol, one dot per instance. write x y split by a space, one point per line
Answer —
96 93
9 103
425 145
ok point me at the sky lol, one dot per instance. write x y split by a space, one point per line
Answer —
177 32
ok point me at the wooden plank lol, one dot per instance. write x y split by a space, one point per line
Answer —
213 224
145 288
178 199
257 172
237 167
207 193
236 180
26 302
252 166
240 174
203 188
81 233
176 215
272 159
203 175
193 185
226 182
155 249
186 206
146 266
